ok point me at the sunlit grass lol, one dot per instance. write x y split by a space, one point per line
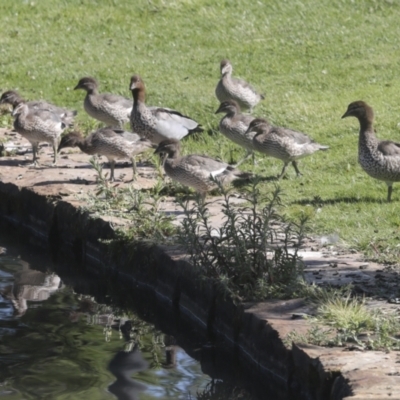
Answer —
309 58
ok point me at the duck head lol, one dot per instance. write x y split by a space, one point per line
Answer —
228 107
10 97
70 140
169 148
359 109
226 67
258 125
87 83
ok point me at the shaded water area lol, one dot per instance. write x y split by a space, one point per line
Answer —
66 333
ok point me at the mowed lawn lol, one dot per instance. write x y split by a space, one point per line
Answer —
310 58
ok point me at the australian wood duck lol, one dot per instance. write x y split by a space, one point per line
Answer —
282 143
157 123
234 126
13 98
38 126
378 158
111 143
229 88
196 171
112 109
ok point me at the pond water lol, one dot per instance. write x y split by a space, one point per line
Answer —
67 334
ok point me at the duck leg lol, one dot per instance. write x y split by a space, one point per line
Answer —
298 173
246 157
134 168
112 166
283 170
390 189
55 145
35 149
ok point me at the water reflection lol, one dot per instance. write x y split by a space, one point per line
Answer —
123 365
58 344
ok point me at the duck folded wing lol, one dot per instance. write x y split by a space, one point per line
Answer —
167 114
173 125
296 136
389 148
204 163
116 99
245 86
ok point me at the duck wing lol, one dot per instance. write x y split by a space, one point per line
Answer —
116 99
203 166
389 148
295 136
245 85
172 124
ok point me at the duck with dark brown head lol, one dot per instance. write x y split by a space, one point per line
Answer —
380 159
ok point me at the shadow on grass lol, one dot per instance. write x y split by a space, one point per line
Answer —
317 201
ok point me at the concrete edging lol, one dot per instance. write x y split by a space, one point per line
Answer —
69 232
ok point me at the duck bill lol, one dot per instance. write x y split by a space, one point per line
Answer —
345 115
219 110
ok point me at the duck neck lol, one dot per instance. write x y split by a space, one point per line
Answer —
82 144
367 133
15 100
173 155
92 91
231 112
139 97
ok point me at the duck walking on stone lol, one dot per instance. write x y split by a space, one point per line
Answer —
157 123
380 159
38 126
282 143
112 109
111 143
13 98
196 171
234 126
229 88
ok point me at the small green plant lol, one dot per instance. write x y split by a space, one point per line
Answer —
140 210
342 319
254 249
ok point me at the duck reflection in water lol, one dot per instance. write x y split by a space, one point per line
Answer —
123 365
30 285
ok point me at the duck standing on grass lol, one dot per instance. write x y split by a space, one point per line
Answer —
112 109
380 159
38 126
111 143
13 98
198 172
234 126
282 143
229 88
157 123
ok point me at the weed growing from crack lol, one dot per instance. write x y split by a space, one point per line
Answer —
253 251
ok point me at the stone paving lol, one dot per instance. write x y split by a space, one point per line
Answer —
373 375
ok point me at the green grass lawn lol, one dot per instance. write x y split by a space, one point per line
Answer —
310 58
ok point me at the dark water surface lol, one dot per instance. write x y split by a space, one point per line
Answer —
70 334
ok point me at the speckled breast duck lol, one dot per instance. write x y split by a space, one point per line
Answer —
157 123
230 88
380 159
13 98
109 142
112 109
197 171
282 143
